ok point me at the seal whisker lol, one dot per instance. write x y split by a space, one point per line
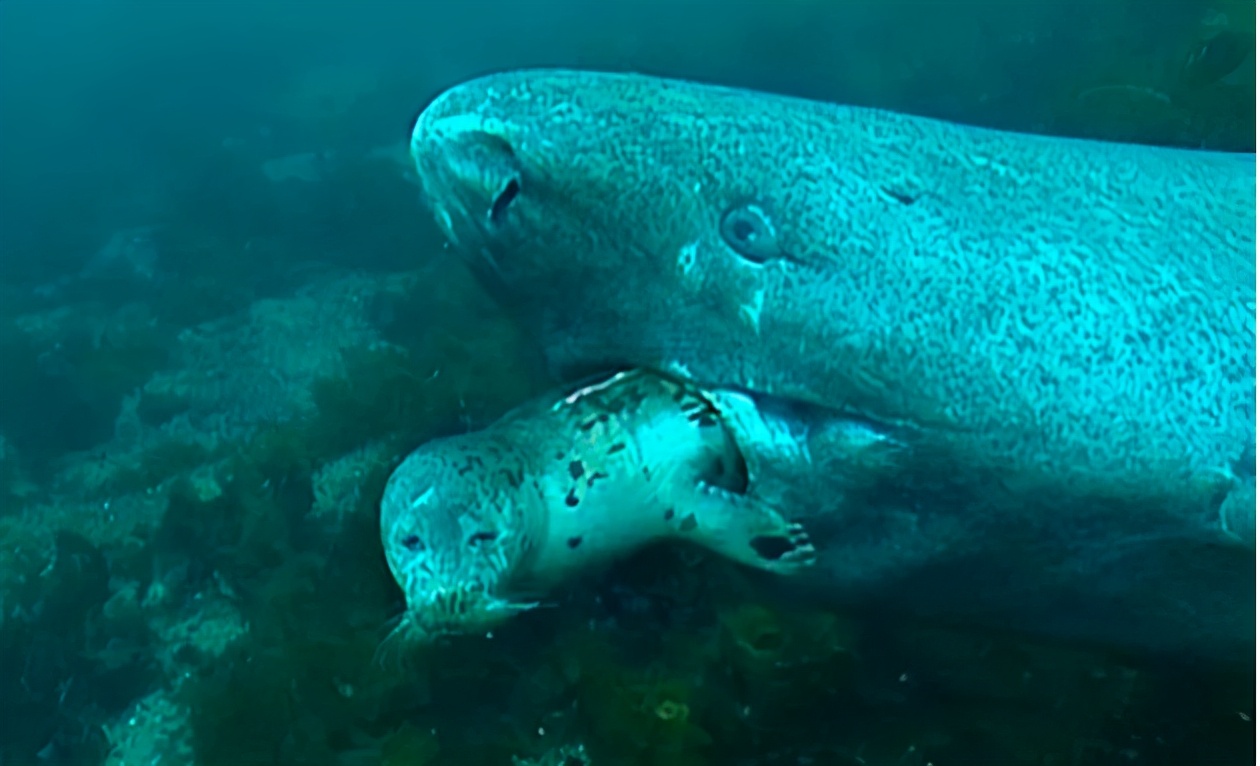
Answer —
394 642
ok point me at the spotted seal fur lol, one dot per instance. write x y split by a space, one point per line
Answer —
477 527
1068 325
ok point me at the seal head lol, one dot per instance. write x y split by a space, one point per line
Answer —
451 542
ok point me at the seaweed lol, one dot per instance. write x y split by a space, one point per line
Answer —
166 459
73 670
42 410
301 688
383 391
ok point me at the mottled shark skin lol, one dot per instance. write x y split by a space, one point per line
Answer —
1062 331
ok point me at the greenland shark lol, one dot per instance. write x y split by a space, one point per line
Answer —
1061 331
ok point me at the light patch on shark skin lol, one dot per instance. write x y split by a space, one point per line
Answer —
679 369
751 311
687 256
425 498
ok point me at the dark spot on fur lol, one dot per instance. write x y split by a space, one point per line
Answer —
669 513
571 499
647 473
688 523
618 447
473 462
576 470
514 478
574 542
412 543
559 456
588 425
595 477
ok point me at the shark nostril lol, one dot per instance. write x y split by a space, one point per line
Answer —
504 200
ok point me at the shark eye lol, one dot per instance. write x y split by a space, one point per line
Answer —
748 231
412 543
482 537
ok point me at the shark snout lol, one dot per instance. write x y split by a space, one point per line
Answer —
466 165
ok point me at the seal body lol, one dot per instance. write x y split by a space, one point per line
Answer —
1067 326
478 527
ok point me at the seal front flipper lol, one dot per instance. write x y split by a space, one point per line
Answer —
746 530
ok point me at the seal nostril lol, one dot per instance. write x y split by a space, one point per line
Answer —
412 543
501 203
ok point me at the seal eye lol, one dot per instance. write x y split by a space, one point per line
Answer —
412 543
748 231
482 537
499 208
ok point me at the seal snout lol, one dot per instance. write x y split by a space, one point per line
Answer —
446 592
453 609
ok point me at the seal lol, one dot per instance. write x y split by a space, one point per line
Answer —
1067 325
478 527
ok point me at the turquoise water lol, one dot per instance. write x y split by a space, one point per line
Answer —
224 317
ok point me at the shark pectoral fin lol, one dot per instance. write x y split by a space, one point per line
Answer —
1238 512
746 530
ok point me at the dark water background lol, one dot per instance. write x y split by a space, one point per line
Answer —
222 310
